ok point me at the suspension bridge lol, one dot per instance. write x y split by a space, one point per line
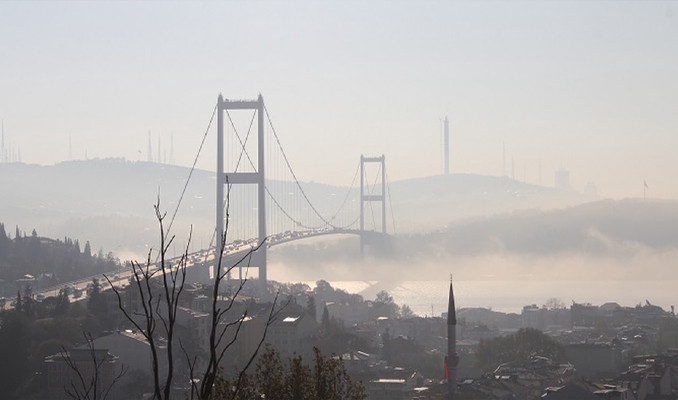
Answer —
261 203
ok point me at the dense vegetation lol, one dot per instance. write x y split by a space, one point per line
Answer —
517 347
34 330
325 379
55 260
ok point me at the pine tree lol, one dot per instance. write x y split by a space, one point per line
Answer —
325 379
270 375
4 241
310 307
15 339
88 250
19 303
325 323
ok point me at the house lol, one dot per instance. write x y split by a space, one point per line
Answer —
290 335
387 389
569 391
594 359
79 371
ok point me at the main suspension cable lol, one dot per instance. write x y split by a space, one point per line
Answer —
390 204
190 174
287 162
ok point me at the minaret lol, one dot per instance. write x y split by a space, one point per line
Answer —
452 359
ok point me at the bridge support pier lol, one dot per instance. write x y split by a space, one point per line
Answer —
235 178
371 197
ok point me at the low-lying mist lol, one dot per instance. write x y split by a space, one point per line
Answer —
501 280
623 252
630 261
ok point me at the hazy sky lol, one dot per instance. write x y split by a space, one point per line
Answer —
591 87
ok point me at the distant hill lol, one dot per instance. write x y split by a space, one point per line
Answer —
110 201
602 240
598 228
434 202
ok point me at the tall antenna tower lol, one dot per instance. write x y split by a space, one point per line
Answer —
171 160
503 158
2 147
446 146
150 148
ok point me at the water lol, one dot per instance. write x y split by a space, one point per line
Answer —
428 298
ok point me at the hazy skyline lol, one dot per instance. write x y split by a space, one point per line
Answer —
585 86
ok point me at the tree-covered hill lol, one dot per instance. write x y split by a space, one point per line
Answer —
53 260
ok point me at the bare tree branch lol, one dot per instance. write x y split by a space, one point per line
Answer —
87 387
271 318
153 297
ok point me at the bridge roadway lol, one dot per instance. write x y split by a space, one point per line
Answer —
233 252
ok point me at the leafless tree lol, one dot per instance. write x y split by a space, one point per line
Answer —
162 308
218 345
157 307
554 303
89 381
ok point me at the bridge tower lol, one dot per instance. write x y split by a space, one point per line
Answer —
371 197
248 178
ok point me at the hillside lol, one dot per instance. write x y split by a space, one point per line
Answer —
606 239
600 228
110 201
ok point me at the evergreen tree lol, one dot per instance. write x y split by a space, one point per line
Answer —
5 244
311 308
325 379
19 303
63 303
97 310
88 250
269 374
325 322
3 234
15 339
28 305
298 382
384 305
406 312
518 347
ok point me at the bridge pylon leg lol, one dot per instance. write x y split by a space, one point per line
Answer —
236 178
371 197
